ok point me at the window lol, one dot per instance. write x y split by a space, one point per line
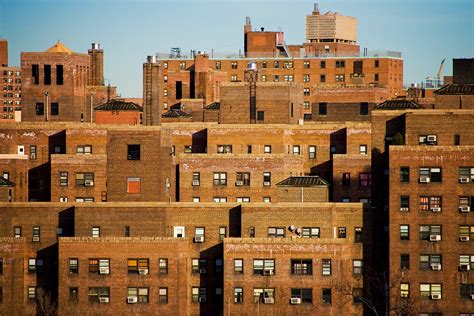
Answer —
33 152
31 293
276 78
196 199
430 175
358 237
233 78
457 140
267 149
264 266
404 203
404 174
288 64
199 234
264 78
252 232
364 108
218 65
63 179
96 232
199 266
288 78
326 296
267 199
404 261
238 295
84 149
36 233
276 232
430 203
266 296
466 233
242 179
140 293
301 266
276 64
126 231
305 295
404 232
138 266
261 116
39 108
54 108
47 74
222 233
466 174
220 178
73 294
323 108
17 231
322 78
1 266
310 232
430 291
218 267
220 199
312 152
363 149
35 265
466 291
165 78
357 266
326 267
340 78
133 185
432 232
163 266
163 295
306 105
85 179
306 64
133 152
35 73
365 179
100 266
199 294
432 262
306 78
404 290
196 179
99 294
224 149
182 65
238 266
376 63
346 179
466 203
376 77
233 65
264 64
340 63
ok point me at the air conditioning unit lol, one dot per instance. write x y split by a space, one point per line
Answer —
199 239
404 209
436 266
431 139
424 179
202 271
268 272
295 300
464 267
464 179
104 271
464 209
436 209
239 183
202 300
36 238
89 184
404 294
103 299
463 238
435 237
435 296
472 297
143 271
266 183
195 183
132 299
269 300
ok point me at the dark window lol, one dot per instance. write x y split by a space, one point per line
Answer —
358 65
326 296
179 89
466 291
260 116
249 149
404 261
133 152
322 78
1 266
404 174
305 295
346 179
291 110
364 108
376 77
47 74
404 202
341 232
35 73
376 64
54 108
323 64
457 139
73 294
126 231
59 75
323 108
39 108
340 64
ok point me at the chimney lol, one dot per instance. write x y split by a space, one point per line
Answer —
96 64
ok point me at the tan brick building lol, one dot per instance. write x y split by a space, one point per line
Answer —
10 77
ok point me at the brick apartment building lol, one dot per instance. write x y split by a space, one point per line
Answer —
61 85
10 77
331 73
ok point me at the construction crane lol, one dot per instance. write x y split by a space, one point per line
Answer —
434 82
438 75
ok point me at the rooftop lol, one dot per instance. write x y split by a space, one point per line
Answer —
119 105
457 89
6 183
58 48
398 105
306 181
175 113
213 106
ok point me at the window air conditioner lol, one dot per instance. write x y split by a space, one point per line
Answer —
103 299
464 267
404 209
269 300
143 271
104 270
436 209
239 183
202 271
435 296
202 300
464 179
36 238
435 237
199 239
463 238
132 299
295 300
424 179
266 183
268 272
195 183
464 209
436 266
431 139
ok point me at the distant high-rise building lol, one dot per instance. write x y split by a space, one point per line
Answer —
10 78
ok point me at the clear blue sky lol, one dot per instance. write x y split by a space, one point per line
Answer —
425 31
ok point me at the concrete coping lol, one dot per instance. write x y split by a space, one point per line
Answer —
431 148
123 239
288 240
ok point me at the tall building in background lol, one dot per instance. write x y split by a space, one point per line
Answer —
10 78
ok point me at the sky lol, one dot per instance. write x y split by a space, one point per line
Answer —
424 31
